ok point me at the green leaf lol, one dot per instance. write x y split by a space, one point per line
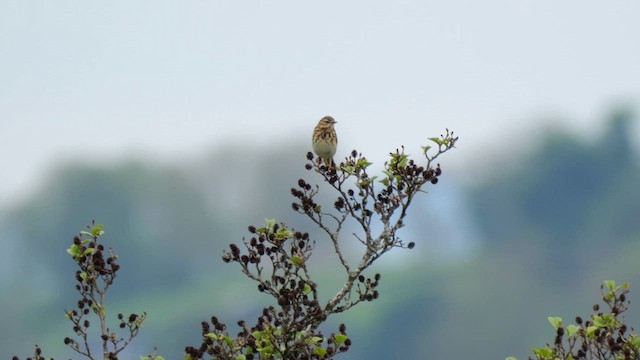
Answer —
267 350
590 332
599 321
97 308
187 357
610 284
403 163
283 233
634 340
257 335
270 223
316 340
340 338
75 251
211 335
572 330
307 289
349 169
426 148
278 331
97 230
156 357
555 321
297 260
510 358
241 357
543 352
88 251
86 233
84 275
436 140
385 181
227 339
609 319
363 163
320 351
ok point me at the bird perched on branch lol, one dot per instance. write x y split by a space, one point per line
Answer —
325 141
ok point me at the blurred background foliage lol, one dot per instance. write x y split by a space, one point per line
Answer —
531 239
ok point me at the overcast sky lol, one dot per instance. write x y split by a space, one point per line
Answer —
172 79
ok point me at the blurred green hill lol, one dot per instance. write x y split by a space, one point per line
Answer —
574 198
548 232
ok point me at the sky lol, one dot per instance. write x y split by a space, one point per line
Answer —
170 80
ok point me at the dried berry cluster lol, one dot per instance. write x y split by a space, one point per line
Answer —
276 256
366 198
268 339
284 252
37 355
603 336
368 291
94 276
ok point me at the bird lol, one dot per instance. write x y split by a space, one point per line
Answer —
325 141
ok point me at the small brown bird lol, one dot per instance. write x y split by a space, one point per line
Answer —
325 140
